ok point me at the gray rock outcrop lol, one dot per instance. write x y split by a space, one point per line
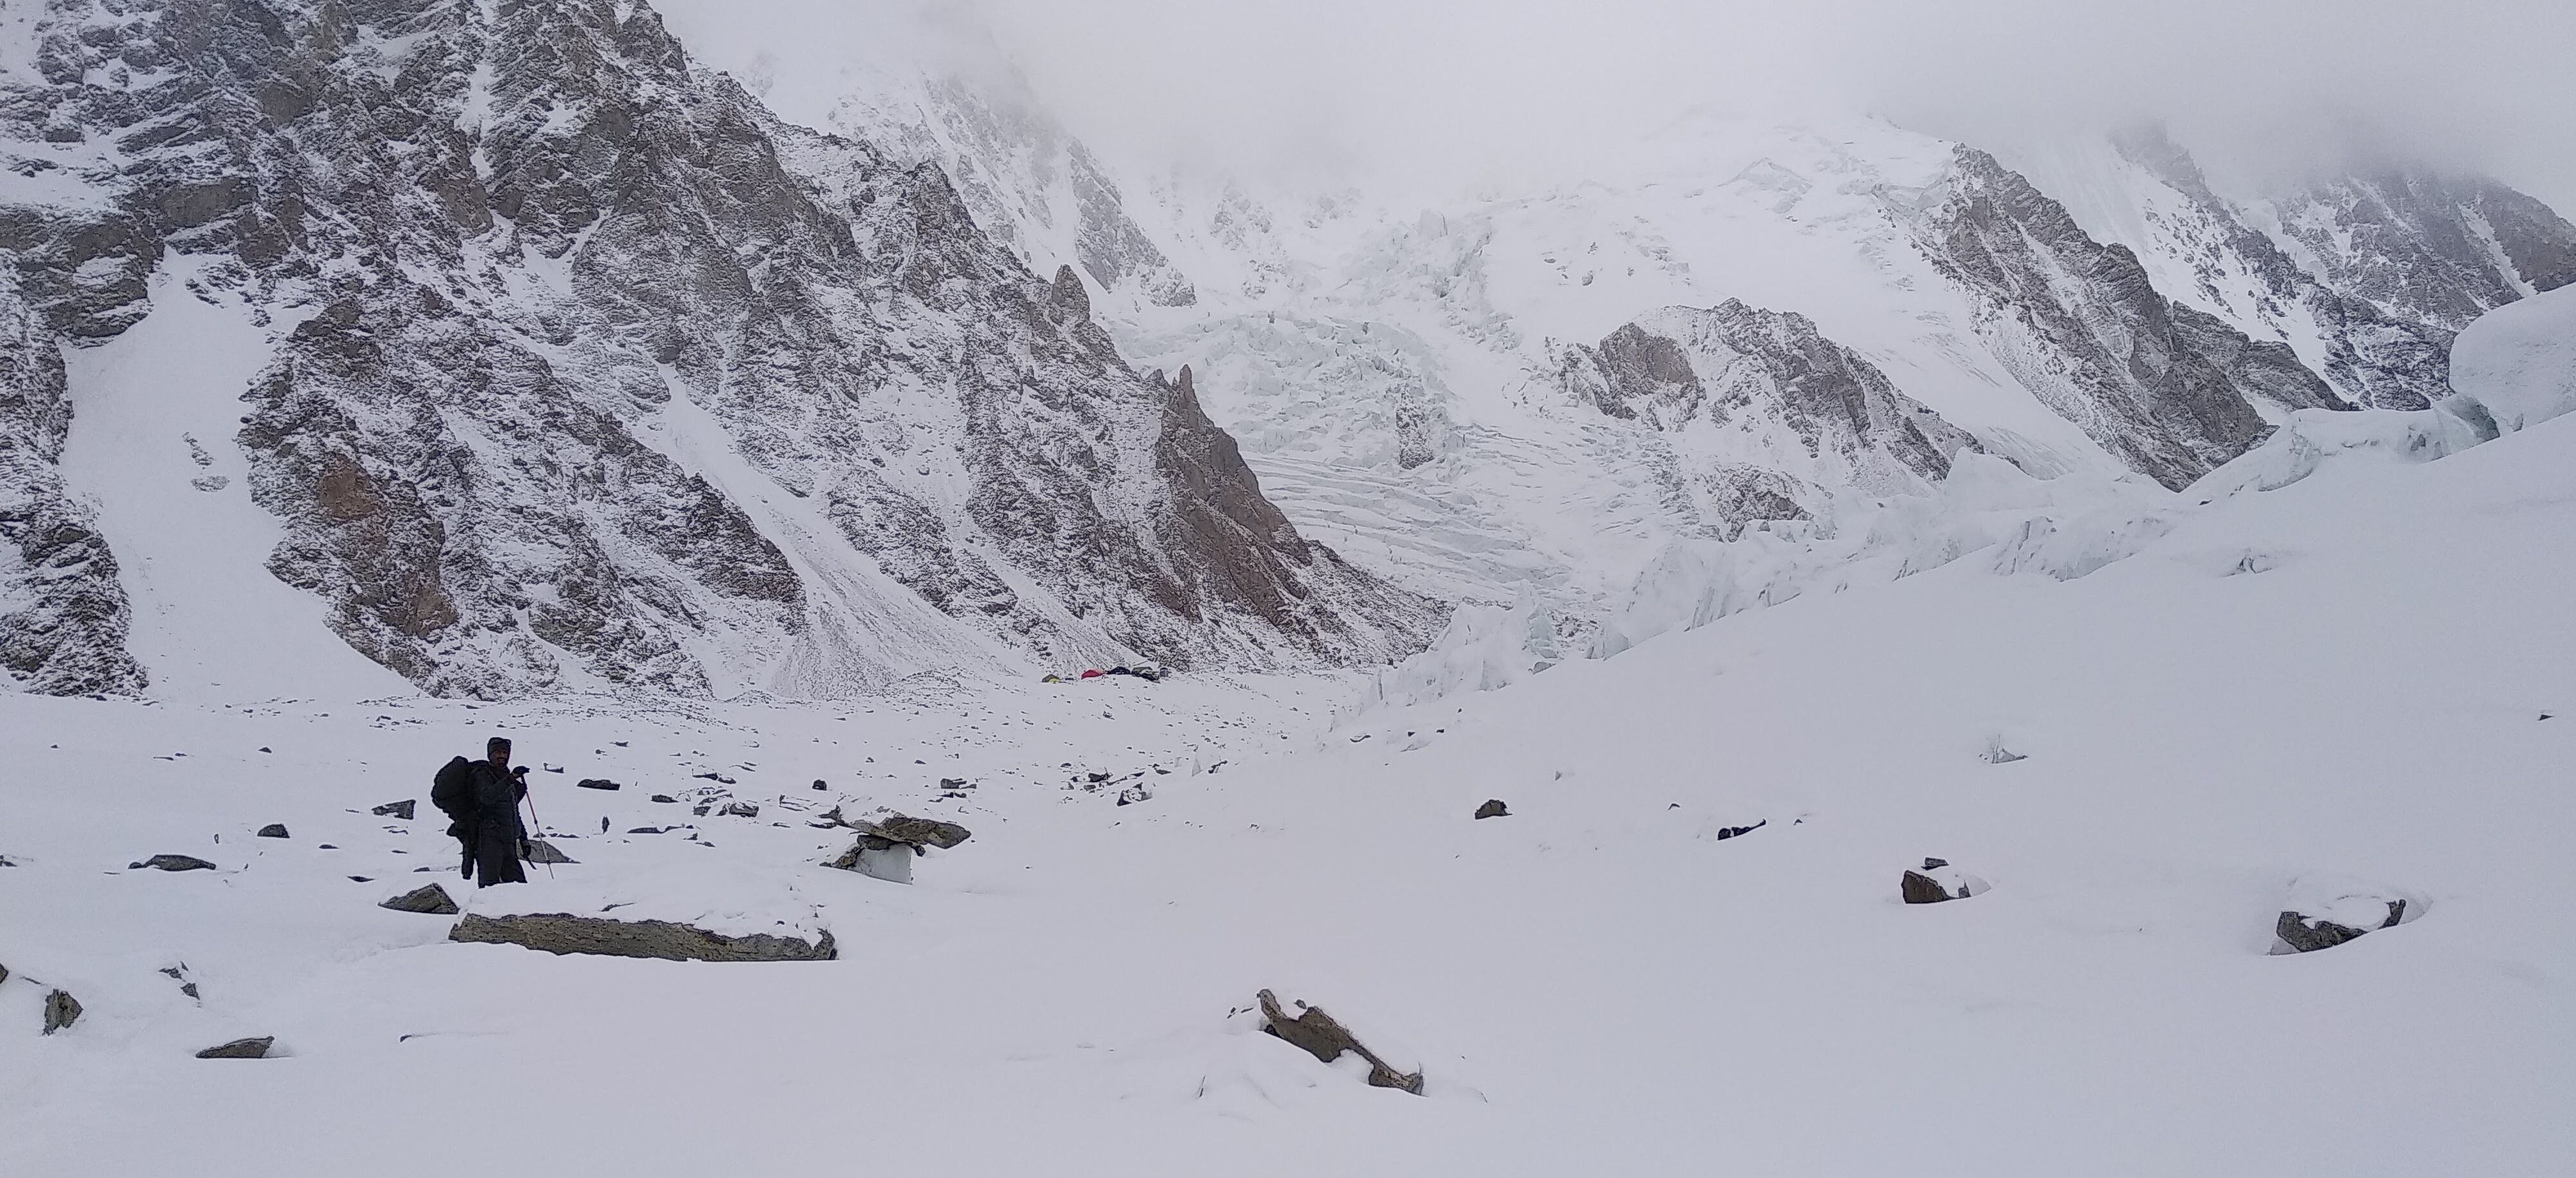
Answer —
2166 388
564 933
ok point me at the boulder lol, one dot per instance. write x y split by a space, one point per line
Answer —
2326 911
920 832
1493 808
665 799
252 1048
401 809
427 899
541 851
1938 881
61 1010
597 783
172 863
818 784
274 830
741 810
564 933
1321 1035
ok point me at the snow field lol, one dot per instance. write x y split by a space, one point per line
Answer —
1593 984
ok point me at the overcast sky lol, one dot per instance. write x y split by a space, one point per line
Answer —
1426 88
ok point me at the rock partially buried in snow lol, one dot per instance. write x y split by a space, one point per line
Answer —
597 783
697 912
1321 1035
172 863
2326 911
541 851
401 809
564 933
252 1048
427 899
1938 881
274 830
61 1011
1493 808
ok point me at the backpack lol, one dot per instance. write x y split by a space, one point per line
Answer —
453 791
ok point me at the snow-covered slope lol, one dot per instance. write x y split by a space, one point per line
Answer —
2338 684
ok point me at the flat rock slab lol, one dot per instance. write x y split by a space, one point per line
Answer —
172 863
401 809
253 1048
540 851
597 783
561 932
920 832
428 899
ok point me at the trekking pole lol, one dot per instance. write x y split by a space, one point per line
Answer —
531 799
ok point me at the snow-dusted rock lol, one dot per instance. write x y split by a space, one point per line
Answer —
2324 911
171 863
274 830
541 852
1938 881
402 809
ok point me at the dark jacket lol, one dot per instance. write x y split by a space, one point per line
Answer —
493 833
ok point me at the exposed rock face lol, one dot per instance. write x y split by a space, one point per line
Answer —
252 1048
2165 387
2433 249
667 940
1771 409
63 616
601 374
1320 1035
428 899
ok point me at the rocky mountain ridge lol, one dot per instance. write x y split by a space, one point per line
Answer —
599 375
